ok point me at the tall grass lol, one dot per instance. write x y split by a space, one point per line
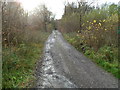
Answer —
19 61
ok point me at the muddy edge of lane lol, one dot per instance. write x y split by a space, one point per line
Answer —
48 76
64 67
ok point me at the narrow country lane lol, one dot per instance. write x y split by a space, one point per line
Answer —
64 67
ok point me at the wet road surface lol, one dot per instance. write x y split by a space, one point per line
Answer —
64 67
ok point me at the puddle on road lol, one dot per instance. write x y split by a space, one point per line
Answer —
50 78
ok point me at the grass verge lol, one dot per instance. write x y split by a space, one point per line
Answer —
19 63
106 56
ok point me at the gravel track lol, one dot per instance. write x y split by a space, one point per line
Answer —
64 67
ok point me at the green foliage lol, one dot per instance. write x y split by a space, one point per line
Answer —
19 61
113 9
23 37
106 56
70 21
98 32
19 64
96 15
98 37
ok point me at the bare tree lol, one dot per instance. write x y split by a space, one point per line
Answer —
42 17
83 8
14 20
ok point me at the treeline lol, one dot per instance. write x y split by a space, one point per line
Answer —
94 31
96 26
42 19
23 37
16 22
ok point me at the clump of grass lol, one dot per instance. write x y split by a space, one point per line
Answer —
106 56
19 63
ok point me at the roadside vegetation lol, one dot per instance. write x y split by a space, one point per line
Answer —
106 56
23 38
94 32
19 62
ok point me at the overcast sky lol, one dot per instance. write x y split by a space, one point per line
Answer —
57 6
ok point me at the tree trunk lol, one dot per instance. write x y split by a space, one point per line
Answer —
80 23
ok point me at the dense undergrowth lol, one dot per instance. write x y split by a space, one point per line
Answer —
106 56
18 64
19 61
94 31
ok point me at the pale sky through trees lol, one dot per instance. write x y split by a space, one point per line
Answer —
57 6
